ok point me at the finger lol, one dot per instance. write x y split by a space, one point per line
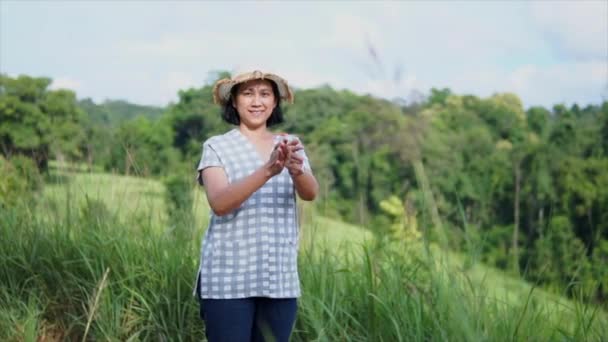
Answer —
284 156
296 149
293 144
295 163
285 150
276 154
296 158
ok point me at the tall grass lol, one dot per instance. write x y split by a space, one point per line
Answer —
383 298
60 265
85 272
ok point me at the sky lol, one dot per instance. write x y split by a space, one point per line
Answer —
146 51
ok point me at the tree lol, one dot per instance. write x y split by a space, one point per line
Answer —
193 119
560 257
144 148
505 113
36 121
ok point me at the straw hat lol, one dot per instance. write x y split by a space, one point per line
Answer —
221 89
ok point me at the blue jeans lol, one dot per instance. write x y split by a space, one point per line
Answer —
248 319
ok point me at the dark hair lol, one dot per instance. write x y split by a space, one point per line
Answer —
231 116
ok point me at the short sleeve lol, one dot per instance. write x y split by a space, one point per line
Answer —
209 158
306 163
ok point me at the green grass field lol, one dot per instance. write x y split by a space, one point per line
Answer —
119 273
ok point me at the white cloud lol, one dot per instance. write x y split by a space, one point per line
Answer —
302 78
568 83
456 31
175 81
483 48
166 46
205 46
66 83
152 51
579 28
389 89
352 32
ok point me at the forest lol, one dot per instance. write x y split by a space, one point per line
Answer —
523 190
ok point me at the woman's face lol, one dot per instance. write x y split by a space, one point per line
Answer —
255 102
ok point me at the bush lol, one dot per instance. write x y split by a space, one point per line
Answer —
20 180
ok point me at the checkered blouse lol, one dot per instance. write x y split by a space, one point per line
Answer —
252 251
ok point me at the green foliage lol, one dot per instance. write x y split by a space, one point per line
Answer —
111 113
26 169
599 262
19 182
142 147
178 196
352 142
65 129
102 123
500 163
496 177
38 122
438 96
404 226
604 128
192 120
495 245
560 257
95 215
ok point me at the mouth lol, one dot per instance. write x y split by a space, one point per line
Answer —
256 112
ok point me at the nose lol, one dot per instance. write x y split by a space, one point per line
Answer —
256 100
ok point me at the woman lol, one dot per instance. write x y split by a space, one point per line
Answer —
248 280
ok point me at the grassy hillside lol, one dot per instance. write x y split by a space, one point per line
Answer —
73 269
128 196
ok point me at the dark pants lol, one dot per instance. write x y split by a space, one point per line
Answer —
248 319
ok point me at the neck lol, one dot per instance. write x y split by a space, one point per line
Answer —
258 132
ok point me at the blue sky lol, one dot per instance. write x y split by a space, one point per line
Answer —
144 52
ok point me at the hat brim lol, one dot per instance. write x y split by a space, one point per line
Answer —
222 88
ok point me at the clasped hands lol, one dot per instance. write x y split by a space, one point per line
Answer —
284 155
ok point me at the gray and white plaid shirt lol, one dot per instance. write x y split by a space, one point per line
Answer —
252 251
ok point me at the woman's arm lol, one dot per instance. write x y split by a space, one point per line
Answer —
306 185
305 182
224 197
